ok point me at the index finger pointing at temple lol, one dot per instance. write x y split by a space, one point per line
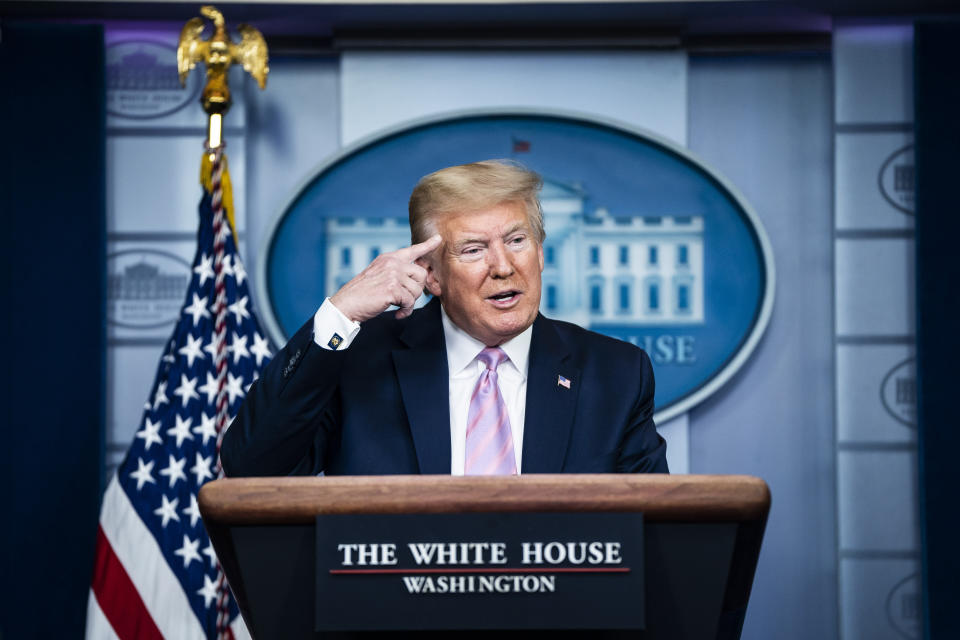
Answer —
413 252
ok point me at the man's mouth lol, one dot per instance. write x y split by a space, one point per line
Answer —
504 298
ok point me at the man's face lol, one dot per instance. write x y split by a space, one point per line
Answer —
487 271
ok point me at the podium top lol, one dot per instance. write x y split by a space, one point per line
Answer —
661 498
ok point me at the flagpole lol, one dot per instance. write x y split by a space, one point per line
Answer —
218 54
214 131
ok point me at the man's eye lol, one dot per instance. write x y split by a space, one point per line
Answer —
517 240
471 251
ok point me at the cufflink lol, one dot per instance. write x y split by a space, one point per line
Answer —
335 341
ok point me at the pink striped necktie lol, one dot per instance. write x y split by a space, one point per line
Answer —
489 449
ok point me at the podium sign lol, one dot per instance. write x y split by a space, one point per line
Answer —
279 539
479 571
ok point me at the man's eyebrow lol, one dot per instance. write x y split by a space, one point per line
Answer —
516 227
459 244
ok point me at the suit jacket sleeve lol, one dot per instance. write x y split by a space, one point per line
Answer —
288 422
642 449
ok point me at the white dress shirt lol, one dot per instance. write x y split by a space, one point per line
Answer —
332 329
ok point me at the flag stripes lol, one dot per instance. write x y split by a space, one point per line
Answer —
112 584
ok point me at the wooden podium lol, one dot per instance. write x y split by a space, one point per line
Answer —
701 538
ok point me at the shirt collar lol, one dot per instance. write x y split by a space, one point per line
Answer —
462 348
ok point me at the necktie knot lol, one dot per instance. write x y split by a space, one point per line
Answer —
492 357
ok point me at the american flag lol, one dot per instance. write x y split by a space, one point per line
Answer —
156 573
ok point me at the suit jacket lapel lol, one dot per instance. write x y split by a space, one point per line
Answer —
550 405
425 386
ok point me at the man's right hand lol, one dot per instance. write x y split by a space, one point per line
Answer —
391 279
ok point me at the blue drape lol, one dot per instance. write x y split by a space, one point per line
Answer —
52 208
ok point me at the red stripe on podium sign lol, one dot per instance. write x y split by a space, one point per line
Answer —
481 570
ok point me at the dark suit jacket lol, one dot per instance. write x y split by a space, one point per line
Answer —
382 405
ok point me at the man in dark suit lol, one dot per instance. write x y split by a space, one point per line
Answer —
476 382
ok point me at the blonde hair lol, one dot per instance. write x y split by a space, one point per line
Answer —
474 187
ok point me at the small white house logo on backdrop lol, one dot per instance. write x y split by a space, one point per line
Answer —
898 392
903 607
142 80
896 180
145 288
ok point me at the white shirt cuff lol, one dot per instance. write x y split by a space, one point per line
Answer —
331 329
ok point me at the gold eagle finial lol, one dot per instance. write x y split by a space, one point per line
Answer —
218 53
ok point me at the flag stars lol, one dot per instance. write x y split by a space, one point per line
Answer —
189 551
238 348
210 553
212 347
234 386
144 473
209 591
150 434
205 269
239 309
160 396
197 309
227 265
239 272
193 511
260 348
207 428
186 390
174 470
181 431
192 350
210 388
201 468
167 510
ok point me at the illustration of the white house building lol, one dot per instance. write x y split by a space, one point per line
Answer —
599 268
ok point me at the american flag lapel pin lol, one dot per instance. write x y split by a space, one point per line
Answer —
563 382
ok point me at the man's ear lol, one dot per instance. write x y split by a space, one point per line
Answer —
432 284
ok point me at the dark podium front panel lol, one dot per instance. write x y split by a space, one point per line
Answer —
701 539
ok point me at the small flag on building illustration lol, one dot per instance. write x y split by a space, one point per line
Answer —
520 146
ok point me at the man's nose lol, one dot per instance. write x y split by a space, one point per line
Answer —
499 261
